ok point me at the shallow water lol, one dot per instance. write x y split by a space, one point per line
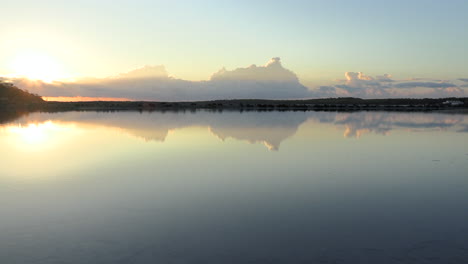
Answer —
234 187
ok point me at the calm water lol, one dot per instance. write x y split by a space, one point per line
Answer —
231 187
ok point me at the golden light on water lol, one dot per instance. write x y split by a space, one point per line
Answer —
36 136
32 134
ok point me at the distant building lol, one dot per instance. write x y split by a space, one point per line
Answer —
453 103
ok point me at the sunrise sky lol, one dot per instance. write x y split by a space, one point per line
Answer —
356 48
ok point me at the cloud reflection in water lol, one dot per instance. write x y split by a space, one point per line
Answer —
268 128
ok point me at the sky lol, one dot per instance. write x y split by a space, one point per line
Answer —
319 41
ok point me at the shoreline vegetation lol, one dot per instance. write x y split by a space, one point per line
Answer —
17 100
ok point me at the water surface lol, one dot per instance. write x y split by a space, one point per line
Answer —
234 187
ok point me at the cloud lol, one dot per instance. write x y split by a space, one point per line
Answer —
385 78
157 72
358 84
271 81
359 80
425 85
272 71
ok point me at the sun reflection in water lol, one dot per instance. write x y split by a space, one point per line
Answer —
36 135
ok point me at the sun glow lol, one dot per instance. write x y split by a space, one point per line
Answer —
36 66
37 136
32 134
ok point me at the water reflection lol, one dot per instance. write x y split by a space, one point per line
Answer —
268 128
34 133
174 187
382 123
9 116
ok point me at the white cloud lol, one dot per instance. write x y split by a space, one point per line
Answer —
271 81
357 84
272 71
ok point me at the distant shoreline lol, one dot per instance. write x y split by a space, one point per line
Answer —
14 110
328 104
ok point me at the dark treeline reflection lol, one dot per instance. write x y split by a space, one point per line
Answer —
269 128
10 116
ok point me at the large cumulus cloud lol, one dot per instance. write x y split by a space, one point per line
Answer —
271 81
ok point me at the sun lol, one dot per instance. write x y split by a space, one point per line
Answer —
36 66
